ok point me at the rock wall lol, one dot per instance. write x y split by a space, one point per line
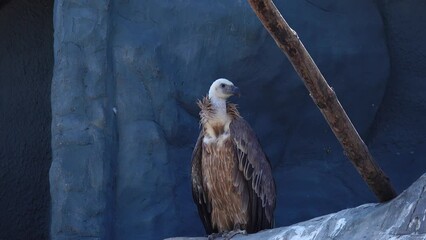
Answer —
84 135
26 63
398 137
128 73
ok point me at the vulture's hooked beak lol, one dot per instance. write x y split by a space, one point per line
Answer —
235 91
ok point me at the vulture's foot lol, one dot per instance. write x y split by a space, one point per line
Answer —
214 236
226 235
229 235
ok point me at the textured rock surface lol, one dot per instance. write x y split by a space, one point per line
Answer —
402 218
83 128
126 78
26 62
398 136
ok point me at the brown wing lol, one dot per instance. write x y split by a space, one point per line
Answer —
258 178
198 194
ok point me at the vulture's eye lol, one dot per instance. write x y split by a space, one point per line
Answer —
222 85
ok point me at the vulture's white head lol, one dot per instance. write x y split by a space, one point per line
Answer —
222 89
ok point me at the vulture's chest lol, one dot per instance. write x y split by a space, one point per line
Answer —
220 167
219 157
217 130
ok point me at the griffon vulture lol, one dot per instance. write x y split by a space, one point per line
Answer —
232 183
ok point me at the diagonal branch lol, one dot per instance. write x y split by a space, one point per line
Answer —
324 97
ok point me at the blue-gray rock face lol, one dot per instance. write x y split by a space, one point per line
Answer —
126 78
398 135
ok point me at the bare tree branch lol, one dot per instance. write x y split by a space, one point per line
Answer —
325 98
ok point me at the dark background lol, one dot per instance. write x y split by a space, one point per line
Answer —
26 62
128 176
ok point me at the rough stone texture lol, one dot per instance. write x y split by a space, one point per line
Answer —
26 62
84 138
398 135
126 78
402 218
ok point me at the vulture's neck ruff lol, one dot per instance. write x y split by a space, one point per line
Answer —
216 115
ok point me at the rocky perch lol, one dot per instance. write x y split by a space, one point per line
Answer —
402 218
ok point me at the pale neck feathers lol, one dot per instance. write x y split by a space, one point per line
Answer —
216 110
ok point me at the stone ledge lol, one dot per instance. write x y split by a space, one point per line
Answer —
402 218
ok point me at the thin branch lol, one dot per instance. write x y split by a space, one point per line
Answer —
324 97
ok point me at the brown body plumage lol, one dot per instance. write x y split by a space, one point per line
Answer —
231 177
